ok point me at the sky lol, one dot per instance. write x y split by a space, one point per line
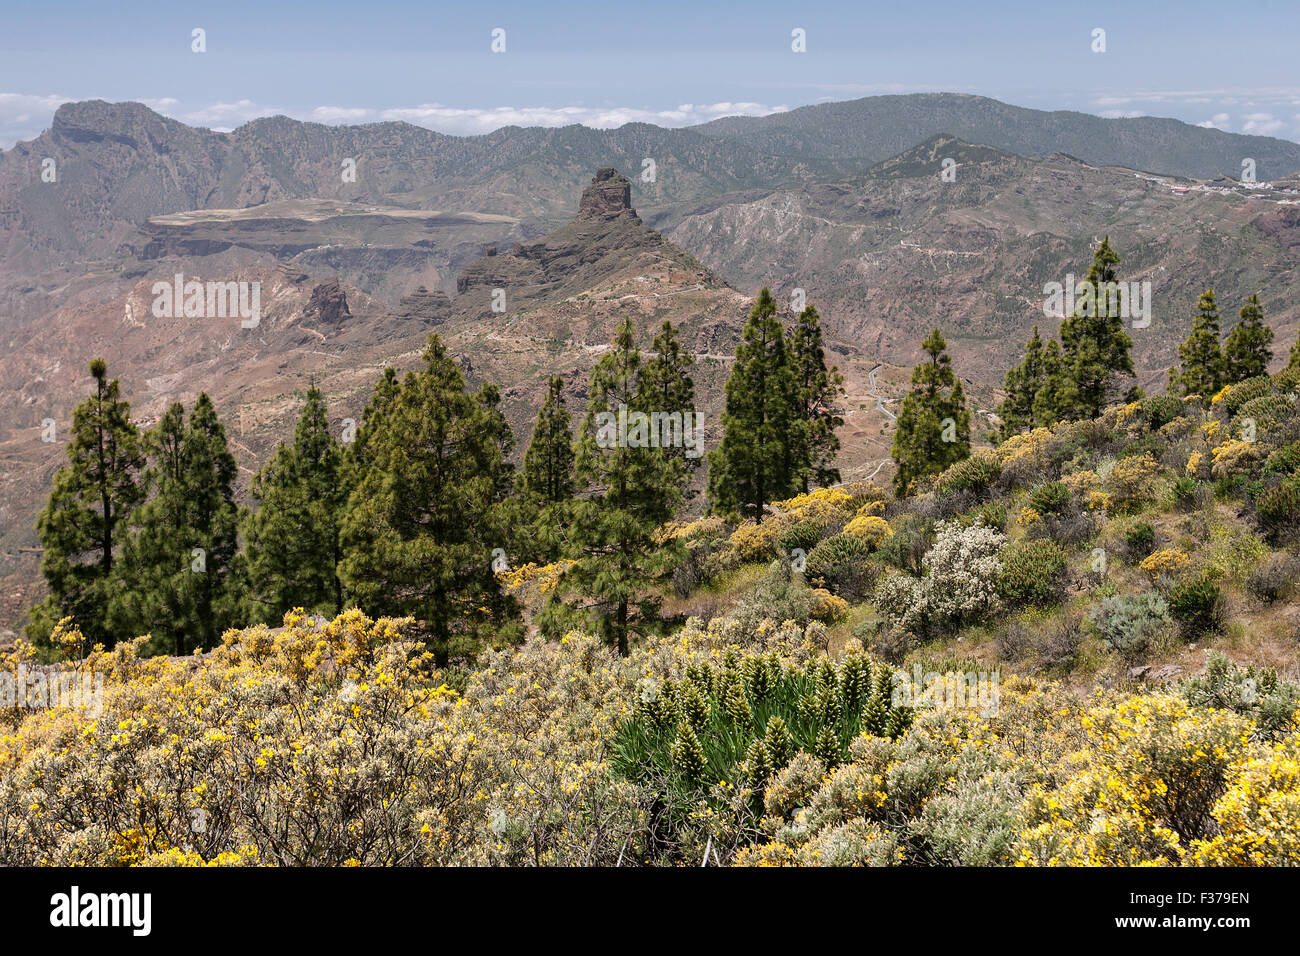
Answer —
670 62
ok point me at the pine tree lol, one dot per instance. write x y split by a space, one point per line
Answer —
546 484
756 462
1052 401
547 473
291 541
421 524
630 490
489 396
669 388
176 578
156 549
1246 354
1096 351
81 526
1202 368
933 429
1022 385
819 390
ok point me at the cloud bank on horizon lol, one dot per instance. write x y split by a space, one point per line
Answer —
24 116
464 69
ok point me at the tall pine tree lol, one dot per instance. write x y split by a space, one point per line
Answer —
758 459
630 489
1022 386
176 578
81 526
1095 349
421 524
291 540
1052 401
1247 352
1202 368
546 483
669 388
547 473
933 429
818 390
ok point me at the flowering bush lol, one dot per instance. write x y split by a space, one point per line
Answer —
1234 457
826 607
752 542
869 529
1165 563
1133 478
959 583
337 743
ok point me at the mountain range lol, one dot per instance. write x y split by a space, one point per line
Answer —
894 215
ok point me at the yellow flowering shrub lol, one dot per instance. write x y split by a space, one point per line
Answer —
546 576
1099 501
688 530
1023 445
1259 815
1133 478
1080 482
871 508
756 542
1142 792
1027 517
1193 468
866 493
871 530
337 743
1233 457
1221 394
1167 561
822 505
826 607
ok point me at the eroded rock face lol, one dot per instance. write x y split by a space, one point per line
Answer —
432 308
328 304
608 196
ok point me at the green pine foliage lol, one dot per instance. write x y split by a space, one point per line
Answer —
819 391
421 523
291 540
1247 351
669 388
933 424
1202 369
177 578
81 525
763 453
546 484
1095 349
1022 385
629 490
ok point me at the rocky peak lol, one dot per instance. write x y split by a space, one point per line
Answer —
608 197
328 304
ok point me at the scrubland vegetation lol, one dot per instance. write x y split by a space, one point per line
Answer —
1076 647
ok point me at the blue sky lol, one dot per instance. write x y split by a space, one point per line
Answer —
671 62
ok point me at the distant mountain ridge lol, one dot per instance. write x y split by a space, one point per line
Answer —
876 127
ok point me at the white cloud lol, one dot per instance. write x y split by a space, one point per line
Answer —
24 117
220 116
1217 121
1262 124
464 121
1121 114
